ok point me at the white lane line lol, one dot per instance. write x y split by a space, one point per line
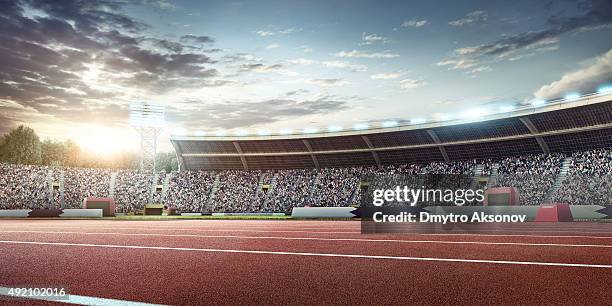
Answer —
321 239
76 299
507 262
338 232
335 232
242 229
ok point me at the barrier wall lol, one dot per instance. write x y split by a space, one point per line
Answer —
578 211
82 213
15 213
322 212
66 213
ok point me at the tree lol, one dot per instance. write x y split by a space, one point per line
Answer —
166 161
21 146
53 152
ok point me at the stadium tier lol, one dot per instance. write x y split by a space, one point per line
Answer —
581 178
560 152
561 127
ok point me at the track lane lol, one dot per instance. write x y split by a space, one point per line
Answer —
247 278
560 254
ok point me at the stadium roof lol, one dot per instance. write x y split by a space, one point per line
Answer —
562 126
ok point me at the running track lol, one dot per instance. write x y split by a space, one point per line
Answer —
313 262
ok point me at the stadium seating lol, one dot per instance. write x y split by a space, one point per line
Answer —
588 180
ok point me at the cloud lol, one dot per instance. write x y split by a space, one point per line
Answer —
471 18
414 23
345 65
77 58
197 39
272 46
258 67
280 32
596 14
584 80
387 76
411 84
241 57
264 33
289 30
306 49
366 54
301 61
160 4
245 114
369 39
328 82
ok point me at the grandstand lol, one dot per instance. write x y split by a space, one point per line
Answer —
558 127
554 153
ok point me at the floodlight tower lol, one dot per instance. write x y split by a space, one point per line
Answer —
148 119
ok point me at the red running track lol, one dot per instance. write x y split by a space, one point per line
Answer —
307 262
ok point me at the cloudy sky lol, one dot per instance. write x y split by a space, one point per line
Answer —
69 69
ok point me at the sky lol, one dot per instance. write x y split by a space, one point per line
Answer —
70 69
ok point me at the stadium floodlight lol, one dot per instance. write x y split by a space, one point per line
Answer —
309 130
446 117
149 120
418 121
240 132
538 102
334 128
605 89
473 113
361 126
571 96
179 132
219 133
286 131
263 132
389 123
147 115
507 108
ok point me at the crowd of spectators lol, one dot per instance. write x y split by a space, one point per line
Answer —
292 188
588 181
132 190
189 191
532 175
24 186
80 183
236 192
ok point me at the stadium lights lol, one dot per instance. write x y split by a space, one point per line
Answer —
571 96
473 114
263 132
240 132
446 117
147 115
179 131
418 121
361 126
220 133
538 102
309 130
334 128
605 89
390 123
286 131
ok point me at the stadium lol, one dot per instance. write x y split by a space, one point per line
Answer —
504 201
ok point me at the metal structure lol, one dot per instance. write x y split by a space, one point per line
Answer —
559 127
148 119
